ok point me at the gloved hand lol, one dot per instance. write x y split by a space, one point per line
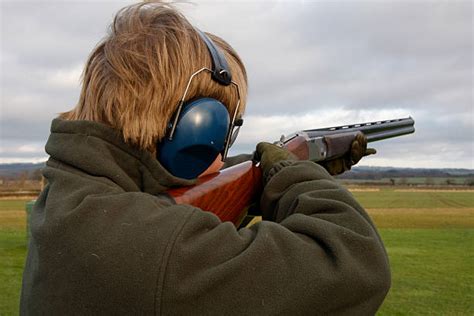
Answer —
269 154
358 150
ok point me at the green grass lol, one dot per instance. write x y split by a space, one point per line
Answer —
429 181
12 259
12 253
431 271
414 199
429 238
8 205
423 218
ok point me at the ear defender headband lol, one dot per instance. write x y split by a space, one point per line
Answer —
201 129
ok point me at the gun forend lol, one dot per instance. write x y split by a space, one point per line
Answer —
333 142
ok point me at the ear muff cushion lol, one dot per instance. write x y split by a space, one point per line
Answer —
198 139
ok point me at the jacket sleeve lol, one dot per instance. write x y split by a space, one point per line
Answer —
316 252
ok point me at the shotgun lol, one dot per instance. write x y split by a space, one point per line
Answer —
229 193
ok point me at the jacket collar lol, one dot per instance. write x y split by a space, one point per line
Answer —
100 150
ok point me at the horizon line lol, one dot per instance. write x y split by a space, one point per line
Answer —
38 160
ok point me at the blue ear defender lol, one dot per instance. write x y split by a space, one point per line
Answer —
198 138
203 128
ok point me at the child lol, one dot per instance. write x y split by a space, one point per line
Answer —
107 239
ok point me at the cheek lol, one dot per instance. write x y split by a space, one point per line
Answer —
214 167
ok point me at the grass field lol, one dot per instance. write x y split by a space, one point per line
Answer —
429 237
416 181
432 272
12 253
415 199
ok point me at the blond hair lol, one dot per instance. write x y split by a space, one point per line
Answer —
135 77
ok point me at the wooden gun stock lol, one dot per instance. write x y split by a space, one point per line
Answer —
226 194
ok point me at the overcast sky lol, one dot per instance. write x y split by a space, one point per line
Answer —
310 64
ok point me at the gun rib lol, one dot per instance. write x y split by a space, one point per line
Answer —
373 130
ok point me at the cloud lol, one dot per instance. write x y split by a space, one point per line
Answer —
447 148
310 64
271 127
69 77
25 151
28 149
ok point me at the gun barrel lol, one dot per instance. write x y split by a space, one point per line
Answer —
372 137
373 130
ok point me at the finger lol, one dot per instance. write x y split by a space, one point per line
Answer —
361 139
358 148
337 166
334 167
357 152
255 156
370 151
261 147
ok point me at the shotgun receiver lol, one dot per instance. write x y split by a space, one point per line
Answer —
229 193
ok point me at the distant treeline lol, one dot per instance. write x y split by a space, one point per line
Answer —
408 176
21 171
378 173
32 171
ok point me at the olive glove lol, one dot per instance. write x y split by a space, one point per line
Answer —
269 155
358 150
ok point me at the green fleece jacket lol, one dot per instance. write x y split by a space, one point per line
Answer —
108 240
